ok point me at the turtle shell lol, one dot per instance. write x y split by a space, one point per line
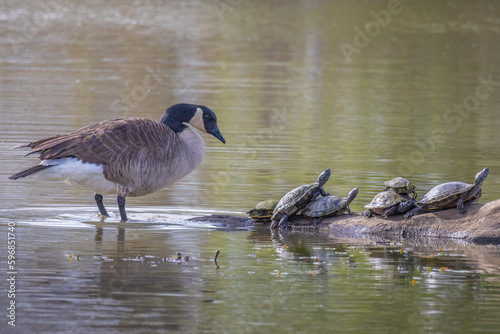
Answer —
400 185
385 200
324 206
446 195
296 199
263 210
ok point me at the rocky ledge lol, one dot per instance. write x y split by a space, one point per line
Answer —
480 224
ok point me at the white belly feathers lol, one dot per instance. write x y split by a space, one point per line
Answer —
75 171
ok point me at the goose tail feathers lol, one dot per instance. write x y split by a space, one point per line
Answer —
29 171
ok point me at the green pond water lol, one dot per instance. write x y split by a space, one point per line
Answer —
370 89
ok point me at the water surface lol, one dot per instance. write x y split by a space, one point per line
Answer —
410 102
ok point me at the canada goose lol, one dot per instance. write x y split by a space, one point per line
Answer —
126 156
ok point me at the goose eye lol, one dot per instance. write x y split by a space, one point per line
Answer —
207 117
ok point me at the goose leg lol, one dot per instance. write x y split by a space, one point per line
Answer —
121 207
100 205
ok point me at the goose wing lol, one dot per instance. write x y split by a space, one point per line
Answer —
107 141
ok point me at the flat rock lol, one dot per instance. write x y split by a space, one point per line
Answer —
481 224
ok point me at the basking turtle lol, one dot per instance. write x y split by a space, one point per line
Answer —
298 199
263 211
451 194
328 206
388 203
401 186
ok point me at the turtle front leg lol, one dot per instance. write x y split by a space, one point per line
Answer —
284 223
413 212
473 199
461 206
322 192
349 210
317 220
405 206
368 213
389 212
274 224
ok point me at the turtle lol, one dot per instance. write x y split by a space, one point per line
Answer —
451 194
401 186
298 199
388 203
328 206
263 211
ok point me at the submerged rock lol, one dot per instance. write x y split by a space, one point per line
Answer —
225 221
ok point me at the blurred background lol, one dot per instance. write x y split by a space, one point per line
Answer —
370 89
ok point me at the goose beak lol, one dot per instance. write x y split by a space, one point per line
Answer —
216 133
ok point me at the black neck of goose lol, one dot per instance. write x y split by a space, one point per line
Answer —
173 123
176 115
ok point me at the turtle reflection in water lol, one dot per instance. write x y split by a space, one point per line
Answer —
451 194
298 199
263 211
328 206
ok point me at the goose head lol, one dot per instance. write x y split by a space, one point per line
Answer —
202 118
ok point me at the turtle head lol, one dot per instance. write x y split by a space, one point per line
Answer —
411 187
352 194
323 177
481 176
414 193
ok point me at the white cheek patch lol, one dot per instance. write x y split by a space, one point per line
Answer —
197 120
